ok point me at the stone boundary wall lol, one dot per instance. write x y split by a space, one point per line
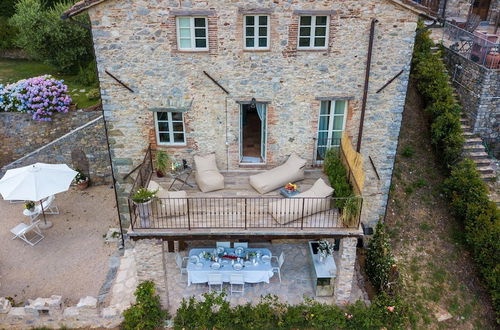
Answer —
84 147
17 54
20 134
88 313
478 90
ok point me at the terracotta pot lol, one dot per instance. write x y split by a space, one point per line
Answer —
159 174
83 185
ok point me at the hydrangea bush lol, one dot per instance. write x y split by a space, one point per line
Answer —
40 96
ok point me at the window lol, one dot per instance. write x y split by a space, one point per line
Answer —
313 33
256 32
331 125
170 128
192 33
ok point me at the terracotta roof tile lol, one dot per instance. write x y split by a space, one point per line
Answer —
79 7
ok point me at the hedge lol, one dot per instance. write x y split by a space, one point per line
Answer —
466 191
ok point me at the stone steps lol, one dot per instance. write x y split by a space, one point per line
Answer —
478 155
473 141
482 162
488 177
473 147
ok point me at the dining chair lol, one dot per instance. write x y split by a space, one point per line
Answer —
279 262
236 280
179 260
240 244
214 279
225 245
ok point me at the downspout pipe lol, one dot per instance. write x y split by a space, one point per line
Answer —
367 83
88 27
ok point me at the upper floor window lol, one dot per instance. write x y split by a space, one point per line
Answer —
313 32
192 33
256 32
170 128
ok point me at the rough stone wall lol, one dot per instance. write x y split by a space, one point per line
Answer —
345 270
89 142
135 40
478 89
20 134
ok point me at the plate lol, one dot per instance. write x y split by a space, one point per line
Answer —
215 265
239 250
199 265
237 266
220 249
266 258
194 259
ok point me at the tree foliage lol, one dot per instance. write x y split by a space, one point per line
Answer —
46 37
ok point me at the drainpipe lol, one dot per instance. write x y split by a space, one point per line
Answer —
88 27
367 82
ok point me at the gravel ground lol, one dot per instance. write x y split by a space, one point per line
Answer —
72 259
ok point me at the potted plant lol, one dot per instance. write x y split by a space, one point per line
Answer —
142 198
162 160
325 249
30 206
81 180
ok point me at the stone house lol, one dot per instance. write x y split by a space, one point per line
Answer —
254 81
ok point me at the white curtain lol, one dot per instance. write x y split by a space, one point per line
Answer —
261 111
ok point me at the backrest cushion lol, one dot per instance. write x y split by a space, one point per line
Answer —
153 185
295 161
321 189
205 163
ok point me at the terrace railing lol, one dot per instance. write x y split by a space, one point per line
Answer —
246 213
473 46
144 172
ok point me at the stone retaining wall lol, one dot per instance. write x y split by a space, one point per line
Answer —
20 134
478 89
84 147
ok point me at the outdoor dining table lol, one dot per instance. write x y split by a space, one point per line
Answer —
252 272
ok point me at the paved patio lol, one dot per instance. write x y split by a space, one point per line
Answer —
295 274
72 260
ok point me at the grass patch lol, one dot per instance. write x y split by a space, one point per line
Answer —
15 70
425 226
408 151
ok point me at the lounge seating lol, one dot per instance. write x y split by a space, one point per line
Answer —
291 171
172 203
207 175
31 234
291 209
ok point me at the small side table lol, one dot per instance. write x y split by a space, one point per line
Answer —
287 193
181 176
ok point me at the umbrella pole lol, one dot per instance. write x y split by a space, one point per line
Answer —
43 212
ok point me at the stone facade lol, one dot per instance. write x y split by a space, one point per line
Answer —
345 269
478 89
135 41
20 134
84 148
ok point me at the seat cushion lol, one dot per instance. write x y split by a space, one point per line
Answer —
209 181
160 191
205 163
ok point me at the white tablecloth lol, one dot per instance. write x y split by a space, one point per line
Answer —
261 272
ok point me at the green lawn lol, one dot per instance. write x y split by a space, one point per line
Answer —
14 70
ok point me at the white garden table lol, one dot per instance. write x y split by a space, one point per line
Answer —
253 273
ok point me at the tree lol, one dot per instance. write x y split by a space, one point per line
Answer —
46 37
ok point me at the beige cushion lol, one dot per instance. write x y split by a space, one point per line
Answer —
291 171
291 209
161 192
175 205
207 174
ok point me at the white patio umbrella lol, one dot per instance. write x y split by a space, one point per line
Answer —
36 182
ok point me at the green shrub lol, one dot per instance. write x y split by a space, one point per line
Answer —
214 312
46 37
337 173
146 313
8 34
87 75
94 94
143 195
379 259
446 135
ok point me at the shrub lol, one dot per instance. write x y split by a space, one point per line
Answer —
408 151
144 195
379 259
40 96
45 36
146 313
446 134
8 34
214 312
337 174
87 75
94 94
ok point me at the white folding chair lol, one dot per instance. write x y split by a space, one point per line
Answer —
279 262
240 244
237 280
31 234
48 208
179 260
223 244
214 279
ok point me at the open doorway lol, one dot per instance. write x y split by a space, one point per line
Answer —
253 133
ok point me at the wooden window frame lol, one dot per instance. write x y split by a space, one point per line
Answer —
170 133
193 38
256 36
312 35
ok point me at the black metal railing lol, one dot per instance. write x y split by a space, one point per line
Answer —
473 46
145 170
247 213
